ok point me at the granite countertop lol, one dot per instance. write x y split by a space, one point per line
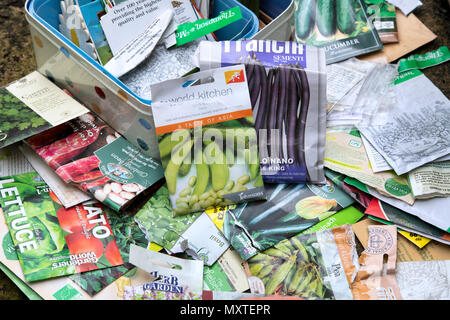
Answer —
17 60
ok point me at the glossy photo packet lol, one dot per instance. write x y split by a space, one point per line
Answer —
287 84
207 140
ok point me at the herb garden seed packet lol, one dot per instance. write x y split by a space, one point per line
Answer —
176 278
207 140
50 240
31 105
341 27
289 210
94 158
320 265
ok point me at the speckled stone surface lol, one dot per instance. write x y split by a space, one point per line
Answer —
17 60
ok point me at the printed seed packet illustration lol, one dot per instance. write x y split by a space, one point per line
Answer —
287 85
289 210
94 158
157 222
207 140
319 265
341 27
50 240
384 18
31 105
126 232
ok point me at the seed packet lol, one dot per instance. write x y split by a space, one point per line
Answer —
345 153
32 105
90 155
126 232
341 27
376 279
68 194
319 265
289 210
384 18
50 240
287 84
175 278
207 140
413 128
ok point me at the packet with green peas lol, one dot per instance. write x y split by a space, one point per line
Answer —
207 140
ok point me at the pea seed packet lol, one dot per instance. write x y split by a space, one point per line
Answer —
90 155
341 27
50 240
319 265
207 140
287 84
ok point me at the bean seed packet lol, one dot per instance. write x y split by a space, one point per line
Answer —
50 240
90 155
320 265
341 27
287 83
289 210
207 140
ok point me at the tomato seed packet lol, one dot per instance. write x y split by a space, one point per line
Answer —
50 240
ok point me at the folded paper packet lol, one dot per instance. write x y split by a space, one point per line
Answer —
376 279
90 155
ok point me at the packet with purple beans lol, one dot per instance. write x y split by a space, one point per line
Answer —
287 85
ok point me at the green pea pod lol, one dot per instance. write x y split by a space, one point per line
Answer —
185 167
279 275
220 172
167 144
173 167
202 174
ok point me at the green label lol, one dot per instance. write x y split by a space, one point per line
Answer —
397 188
8 247
348 215
68 293
216 279
191 31
407 75
422 61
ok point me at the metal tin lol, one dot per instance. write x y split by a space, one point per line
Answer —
281 28
72 69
